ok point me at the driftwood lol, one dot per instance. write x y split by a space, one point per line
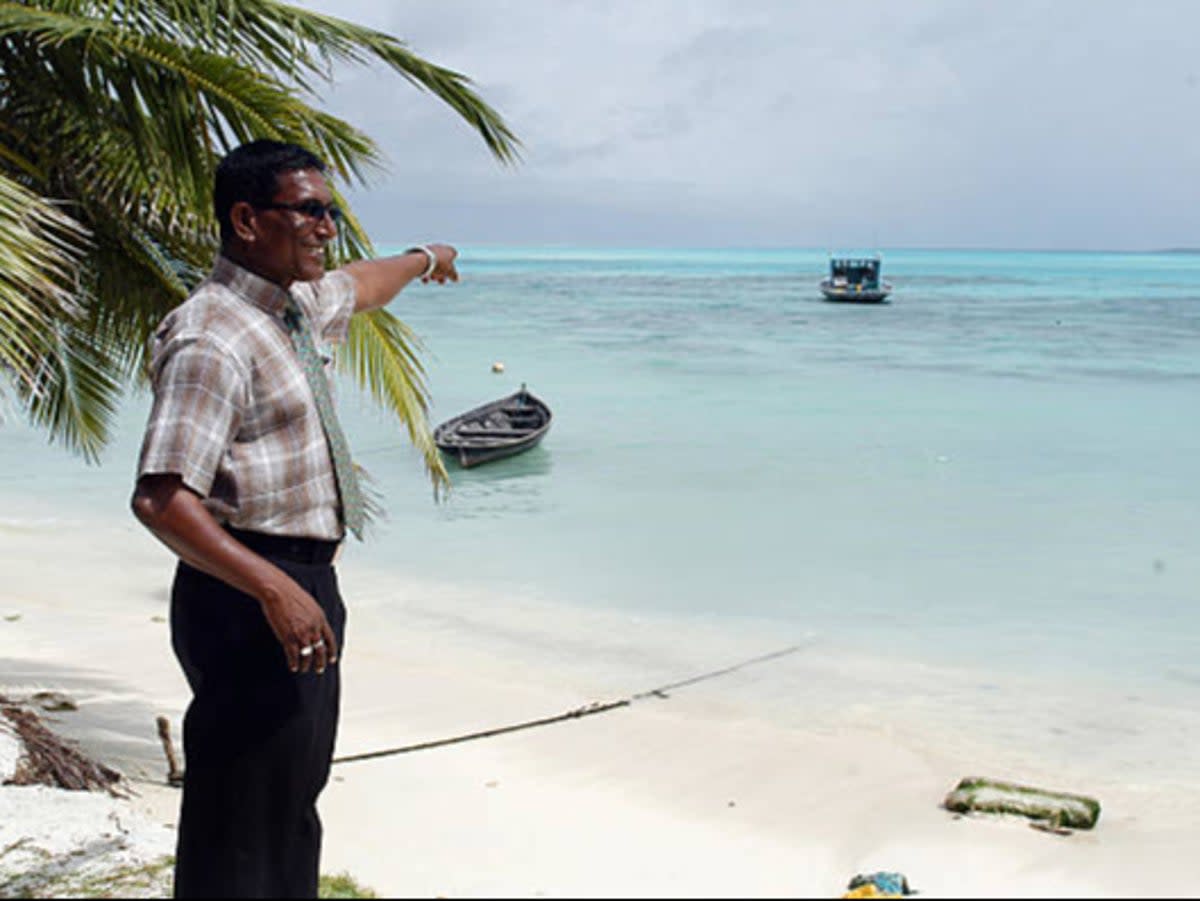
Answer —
53 701
1050 810
50 760
174 773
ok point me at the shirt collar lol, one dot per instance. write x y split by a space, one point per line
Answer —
264 294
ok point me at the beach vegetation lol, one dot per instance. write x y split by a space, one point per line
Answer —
343 885
113 115
95 870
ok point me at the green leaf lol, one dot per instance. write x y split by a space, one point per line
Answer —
381 353
113 116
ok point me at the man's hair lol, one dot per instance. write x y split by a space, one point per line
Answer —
249 173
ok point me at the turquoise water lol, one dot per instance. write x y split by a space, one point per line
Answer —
1001 464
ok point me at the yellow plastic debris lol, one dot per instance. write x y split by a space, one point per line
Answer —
870 890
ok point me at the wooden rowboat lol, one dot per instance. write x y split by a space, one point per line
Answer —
495 430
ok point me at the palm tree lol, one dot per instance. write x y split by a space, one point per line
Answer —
113 114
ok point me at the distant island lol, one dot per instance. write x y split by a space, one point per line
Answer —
1194 250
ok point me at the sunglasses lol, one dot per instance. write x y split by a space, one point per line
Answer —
313 209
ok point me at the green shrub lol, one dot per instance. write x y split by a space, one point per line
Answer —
343 885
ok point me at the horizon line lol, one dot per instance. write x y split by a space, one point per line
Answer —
573 245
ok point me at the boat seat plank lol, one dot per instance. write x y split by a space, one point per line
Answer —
493 433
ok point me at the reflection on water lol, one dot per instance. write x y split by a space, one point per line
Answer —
499 488
534 462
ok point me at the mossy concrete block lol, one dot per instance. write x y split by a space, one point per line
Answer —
1059 809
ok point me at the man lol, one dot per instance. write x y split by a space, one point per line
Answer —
245 475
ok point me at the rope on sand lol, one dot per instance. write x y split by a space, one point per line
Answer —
574 714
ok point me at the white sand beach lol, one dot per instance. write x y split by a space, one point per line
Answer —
784 778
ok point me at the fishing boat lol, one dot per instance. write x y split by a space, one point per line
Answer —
495 430
855 280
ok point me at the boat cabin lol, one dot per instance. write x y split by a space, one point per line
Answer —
855 279
852 271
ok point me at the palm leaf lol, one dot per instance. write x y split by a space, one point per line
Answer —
294 42
120 109
381 355
39 251
76 393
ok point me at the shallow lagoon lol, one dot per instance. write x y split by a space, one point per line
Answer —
988 484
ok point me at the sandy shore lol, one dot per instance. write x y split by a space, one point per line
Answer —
736 785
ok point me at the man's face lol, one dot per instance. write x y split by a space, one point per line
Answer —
289 245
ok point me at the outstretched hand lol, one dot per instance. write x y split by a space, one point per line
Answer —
445 270
378 281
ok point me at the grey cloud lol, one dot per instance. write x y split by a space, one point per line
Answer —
673 120
935 122
563 155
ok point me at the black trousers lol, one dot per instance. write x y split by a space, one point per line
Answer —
257 739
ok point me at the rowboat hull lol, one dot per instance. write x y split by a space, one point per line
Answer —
495 430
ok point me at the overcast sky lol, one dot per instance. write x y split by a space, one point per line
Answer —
907 123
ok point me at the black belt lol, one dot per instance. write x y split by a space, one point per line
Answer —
285 547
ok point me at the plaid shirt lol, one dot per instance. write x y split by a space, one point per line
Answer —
233 414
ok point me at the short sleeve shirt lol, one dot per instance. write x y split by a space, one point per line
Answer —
233 414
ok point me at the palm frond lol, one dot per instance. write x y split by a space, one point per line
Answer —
284 39
346 41
113 115
40 249
76 393
275 40
382 356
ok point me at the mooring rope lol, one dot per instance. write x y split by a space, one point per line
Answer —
574 714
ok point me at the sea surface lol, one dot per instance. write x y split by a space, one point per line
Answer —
999 468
